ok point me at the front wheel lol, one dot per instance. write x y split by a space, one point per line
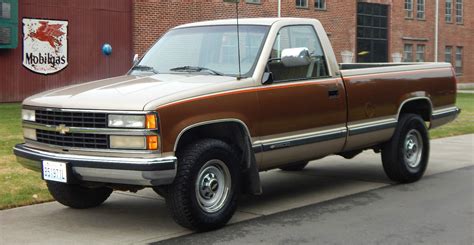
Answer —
76 196
405 156
204 193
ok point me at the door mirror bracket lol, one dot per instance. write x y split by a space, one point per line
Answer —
267 78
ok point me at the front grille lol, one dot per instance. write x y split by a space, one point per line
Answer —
72 119
95 141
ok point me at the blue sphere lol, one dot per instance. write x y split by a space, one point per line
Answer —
107 49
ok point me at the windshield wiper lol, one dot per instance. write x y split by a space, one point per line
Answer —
196 69
145 68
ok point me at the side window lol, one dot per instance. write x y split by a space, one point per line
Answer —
297 37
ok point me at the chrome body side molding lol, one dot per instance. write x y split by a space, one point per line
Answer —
299 140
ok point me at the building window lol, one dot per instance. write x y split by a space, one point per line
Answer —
458 64
409 9
420 9
408 53
253 1
449 9
459 11
320 4
448 53
420 53
301 3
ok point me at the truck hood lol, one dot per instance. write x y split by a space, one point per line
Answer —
128 92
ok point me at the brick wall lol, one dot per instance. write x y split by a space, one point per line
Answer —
151 18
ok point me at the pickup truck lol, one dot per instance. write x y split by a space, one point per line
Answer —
205 110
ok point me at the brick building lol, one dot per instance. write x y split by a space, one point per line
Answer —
372 30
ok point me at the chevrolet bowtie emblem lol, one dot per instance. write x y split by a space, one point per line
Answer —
62 129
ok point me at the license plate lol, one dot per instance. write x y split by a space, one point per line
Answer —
55 171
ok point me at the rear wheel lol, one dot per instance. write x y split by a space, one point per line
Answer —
204 193
76 196
298 166
405 156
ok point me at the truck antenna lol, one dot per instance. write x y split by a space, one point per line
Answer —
238 38
238 34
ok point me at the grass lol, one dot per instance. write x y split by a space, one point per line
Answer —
19 186
464 124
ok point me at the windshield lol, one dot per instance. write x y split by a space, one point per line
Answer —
207 49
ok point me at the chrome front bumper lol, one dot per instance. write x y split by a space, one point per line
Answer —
117 170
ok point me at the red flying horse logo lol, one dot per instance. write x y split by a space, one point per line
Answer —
48 33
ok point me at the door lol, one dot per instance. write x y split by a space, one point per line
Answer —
372 44
302 112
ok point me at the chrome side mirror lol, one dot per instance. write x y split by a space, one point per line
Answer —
135 59
292 57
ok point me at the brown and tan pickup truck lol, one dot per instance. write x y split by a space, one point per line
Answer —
198 116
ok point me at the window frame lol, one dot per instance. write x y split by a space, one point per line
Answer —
302 7
459 9
253 1
450 54
420 8
316 3
322 49
418 52
448 12
408 11
405 45
458 69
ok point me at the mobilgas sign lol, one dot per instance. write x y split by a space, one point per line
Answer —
44 45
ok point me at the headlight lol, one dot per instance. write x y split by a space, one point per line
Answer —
127 121
28 115
128 142
29 133
133 121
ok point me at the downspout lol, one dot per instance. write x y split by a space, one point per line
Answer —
279 8
436 31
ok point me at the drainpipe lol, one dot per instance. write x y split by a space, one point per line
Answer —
279 8
436 31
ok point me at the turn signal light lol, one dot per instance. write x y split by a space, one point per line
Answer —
150 121
152 142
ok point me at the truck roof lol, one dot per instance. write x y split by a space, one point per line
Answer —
243 21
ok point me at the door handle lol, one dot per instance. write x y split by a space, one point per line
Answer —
333 92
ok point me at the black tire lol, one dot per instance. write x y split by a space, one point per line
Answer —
395 152
161 190
76 196
183 200
298 166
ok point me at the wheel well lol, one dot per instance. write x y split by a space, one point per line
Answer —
233 133
236 134
421 107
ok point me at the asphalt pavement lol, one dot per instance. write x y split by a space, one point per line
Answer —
332 201
437 210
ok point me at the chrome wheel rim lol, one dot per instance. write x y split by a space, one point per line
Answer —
413 148
213 185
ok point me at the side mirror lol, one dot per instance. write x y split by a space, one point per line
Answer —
267 78
135 59
292 57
